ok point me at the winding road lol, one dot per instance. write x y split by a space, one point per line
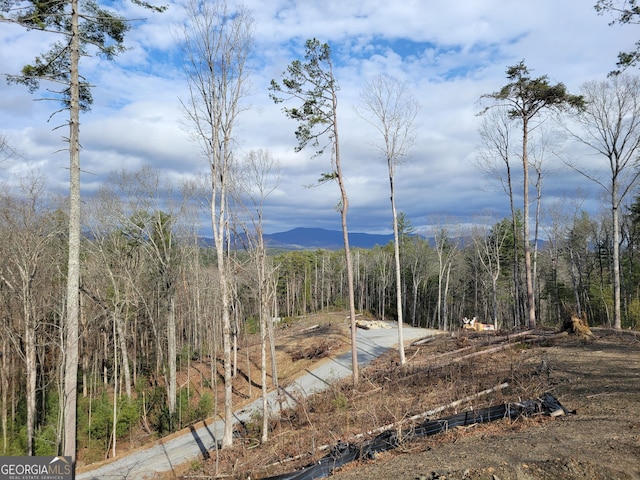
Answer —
200 439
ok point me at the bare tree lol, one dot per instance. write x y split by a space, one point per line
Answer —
260 179
489 244
6 151
216 44
137 212
419 258
446 249
495 156
387 104
537 156
611 127
108 246
27 231
381 265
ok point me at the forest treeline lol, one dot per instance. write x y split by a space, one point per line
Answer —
150 297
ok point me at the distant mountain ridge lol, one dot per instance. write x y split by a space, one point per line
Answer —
302 238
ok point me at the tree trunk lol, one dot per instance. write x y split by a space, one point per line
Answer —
171 352
114 418
4 389
396 252
265 318
219 224
445 307
73 271
617 318
126 369
347 251
531 303
414 304
272 342
31 370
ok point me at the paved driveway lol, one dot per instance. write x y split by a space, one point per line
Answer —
199 440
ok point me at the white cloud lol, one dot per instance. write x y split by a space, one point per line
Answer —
450 54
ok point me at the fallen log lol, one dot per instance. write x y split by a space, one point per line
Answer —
541 338
308 329
396 425
437 361
423 341
430 413
504 338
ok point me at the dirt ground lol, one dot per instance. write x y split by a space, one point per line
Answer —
599 379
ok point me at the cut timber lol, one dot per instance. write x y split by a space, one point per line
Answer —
540 338
451 357
432 412
422 341
371 324
346 452
308 329
544 338
397 425
578 326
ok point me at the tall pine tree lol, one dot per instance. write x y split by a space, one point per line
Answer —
80 26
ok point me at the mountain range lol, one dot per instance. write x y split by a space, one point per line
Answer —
311 238
318 238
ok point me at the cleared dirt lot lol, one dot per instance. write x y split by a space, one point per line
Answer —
600 379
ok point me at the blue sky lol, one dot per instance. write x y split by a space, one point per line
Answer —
449 53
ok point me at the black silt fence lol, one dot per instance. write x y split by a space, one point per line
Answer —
344 453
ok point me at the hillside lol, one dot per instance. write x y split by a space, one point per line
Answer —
599 379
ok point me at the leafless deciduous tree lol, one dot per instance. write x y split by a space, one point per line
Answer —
27 231
133 231
260 177
216 43
6 152
489 246
446 246
495 156
610 126
387 104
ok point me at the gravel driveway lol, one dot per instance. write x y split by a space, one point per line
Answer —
196 441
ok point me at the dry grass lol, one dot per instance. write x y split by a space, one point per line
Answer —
437 373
